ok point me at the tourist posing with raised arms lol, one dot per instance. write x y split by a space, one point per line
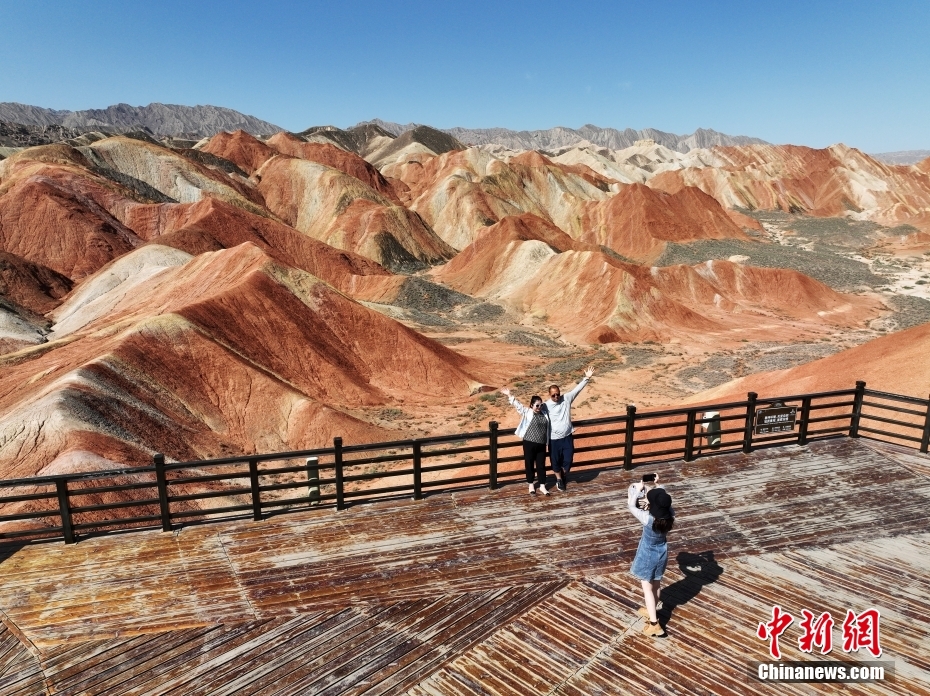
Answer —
561 444
648 567
534 431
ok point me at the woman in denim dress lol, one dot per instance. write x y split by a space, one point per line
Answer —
652 553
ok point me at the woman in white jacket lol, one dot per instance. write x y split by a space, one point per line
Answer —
534 431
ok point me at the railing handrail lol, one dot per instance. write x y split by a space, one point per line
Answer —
429 440
684 447
897 397
76 476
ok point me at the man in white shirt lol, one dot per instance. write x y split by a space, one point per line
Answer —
561 446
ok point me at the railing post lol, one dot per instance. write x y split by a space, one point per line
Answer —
417 470
689 435
628 437
313 480
750 417
492 455
925 440
64 509
256 494
337 463
805 416
857 409
162 481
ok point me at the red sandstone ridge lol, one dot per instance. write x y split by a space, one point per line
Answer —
211 225
228 352
540 272
332 156
592 297
723 286
242 149
49 191
638 221
338 209
488 265
37 288
51 213
836 181
532 158
460 193
175 176
896 363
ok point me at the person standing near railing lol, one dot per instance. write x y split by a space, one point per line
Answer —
561 444
534 431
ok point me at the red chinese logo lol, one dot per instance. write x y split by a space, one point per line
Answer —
817 633
862 632
774 628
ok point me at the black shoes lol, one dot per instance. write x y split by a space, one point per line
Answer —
560 484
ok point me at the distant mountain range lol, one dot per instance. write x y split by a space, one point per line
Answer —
202 121
561 137
160 119
22 125
902 156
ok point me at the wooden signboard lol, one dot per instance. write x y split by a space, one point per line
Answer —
776 419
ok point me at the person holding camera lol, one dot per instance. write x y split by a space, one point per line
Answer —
654 511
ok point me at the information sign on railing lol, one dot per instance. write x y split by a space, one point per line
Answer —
775 419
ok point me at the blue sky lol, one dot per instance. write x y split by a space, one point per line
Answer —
810 73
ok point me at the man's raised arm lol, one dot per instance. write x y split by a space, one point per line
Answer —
581 385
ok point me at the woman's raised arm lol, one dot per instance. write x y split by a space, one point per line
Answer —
631 496
514 401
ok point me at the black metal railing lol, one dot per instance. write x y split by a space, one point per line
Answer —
167 494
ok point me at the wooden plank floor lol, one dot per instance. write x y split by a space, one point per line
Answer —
121 585
711 618
371 649
20 672
484 592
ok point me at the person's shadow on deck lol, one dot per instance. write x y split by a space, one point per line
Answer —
699 569
584 476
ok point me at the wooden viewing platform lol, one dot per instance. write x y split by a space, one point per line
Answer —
490 592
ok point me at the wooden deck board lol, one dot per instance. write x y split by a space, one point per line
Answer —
219 663
200 658
905 456
744 592
538 650
374 649
712 633
20 672
439 647
486 592
121 585
121 661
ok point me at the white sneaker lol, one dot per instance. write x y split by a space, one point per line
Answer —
542 489
532 489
